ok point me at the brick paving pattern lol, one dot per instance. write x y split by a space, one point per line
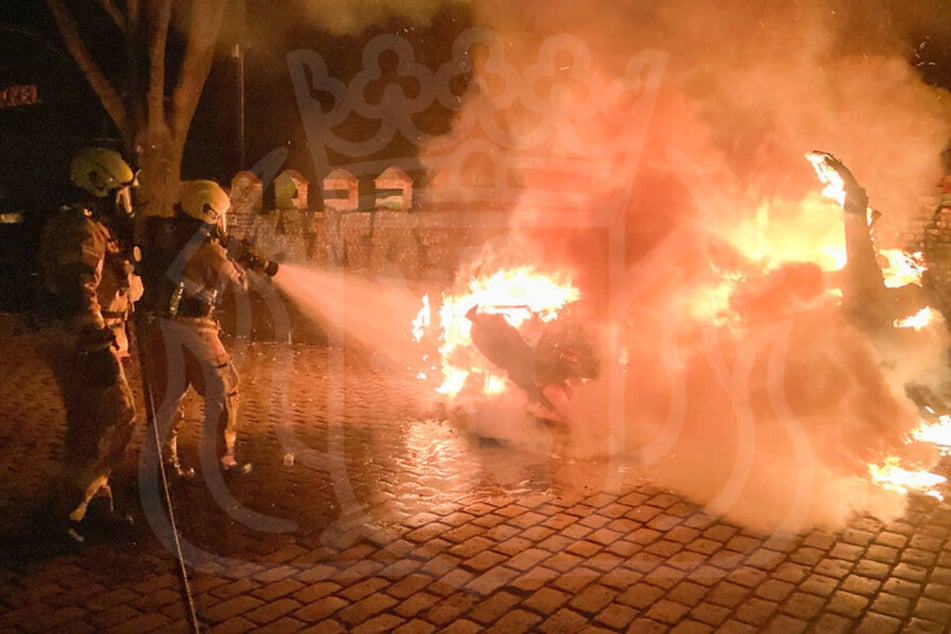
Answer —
389 519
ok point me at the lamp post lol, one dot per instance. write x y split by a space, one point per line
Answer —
237 54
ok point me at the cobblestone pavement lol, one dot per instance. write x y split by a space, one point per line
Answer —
364 512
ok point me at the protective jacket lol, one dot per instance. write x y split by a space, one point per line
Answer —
186 268
88 291
89 281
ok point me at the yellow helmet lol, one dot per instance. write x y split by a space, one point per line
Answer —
204 200
100 170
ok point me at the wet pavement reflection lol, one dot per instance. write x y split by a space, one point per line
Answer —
372 507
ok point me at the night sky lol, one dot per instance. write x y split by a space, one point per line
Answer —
36 141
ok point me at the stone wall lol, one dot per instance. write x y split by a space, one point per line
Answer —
392 238
929 233
416 245
424 247
396 237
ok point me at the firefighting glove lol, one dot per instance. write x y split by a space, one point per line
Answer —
96 360
254 262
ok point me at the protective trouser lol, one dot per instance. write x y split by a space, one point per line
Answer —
187 352
100 421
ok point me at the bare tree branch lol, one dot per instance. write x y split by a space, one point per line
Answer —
136 79
109 7
204 24
158 39
110 98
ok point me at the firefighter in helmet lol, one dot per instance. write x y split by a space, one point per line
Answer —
187 268
89 286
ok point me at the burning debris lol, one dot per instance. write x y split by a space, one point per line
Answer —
504 346
494 340
563 355
878 298
868 299
512 330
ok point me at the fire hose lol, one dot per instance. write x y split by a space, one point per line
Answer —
151 423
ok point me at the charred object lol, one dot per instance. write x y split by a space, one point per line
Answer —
563 353
502 344
866 300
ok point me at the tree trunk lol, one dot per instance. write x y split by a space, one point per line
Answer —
152 120
159 156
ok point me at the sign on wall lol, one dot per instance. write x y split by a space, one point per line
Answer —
23 95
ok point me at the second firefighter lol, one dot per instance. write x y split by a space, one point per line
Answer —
186 270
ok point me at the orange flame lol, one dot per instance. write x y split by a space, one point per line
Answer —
890 475
520 294
917 321
808 230
712 303
423 317
902 268
938 433
834 187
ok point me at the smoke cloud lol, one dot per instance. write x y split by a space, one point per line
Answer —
756 398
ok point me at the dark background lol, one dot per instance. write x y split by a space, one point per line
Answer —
38 141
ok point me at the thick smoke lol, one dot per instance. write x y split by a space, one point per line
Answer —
769 405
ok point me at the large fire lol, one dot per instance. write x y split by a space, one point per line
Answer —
527 298
813 232
899 268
